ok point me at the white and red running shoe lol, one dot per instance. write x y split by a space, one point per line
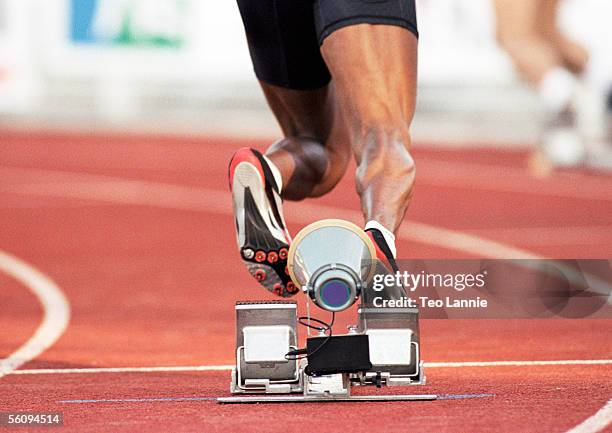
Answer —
263 238
386 263
383 251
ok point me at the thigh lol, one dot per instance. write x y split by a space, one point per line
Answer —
548 18
374 71
315 136
518 18
302 113
283 43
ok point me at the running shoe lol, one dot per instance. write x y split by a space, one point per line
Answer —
562 144
386 264
383 250
263 238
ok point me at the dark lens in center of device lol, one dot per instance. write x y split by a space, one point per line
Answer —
335 293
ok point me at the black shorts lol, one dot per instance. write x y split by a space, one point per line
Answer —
284 35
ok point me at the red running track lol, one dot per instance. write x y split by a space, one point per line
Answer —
137 233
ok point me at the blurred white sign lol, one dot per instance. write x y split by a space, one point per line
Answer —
17 82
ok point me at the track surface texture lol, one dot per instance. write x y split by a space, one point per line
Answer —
136 235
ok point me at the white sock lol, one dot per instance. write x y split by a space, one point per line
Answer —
557 89
276 173
596 75
387 234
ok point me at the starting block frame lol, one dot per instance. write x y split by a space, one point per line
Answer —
266 330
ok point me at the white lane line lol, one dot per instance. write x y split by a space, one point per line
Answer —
597 422
172 369
444 173
136 192
518 363
195 368
546 236
55 307
508 179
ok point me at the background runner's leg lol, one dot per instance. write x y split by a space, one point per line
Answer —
574 56
527 30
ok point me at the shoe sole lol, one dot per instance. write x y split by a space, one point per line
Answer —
263 253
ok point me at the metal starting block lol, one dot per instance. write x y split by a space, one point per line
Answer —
394 341
267 331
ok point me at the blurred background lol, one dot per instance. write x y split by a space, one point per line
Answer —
182 66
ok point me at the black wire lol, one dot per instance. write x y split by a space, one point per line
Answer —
295 354
303 320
